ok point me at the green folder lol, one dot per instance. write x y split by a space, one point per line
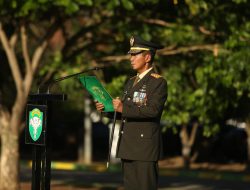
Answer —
98 92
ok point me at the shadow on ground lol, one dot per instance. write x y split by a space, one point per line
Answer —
89 180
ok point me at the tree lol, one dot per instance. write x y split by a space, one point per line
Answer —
27 29
11 120
214 87
199 37
207 43
19 23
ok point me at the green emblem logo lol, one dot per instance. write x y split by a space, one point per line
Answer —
35 123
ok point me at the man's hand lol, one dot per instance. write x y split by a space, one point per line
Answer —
99 106
118 106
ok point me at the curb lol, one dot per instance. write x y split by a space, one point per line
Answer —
96 167
214 175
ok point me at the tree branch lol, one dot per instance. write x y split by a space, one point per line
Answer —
192 80
184 134
115 58
13 40
209 47
34 64
193 133
38 54
77 51
203 30
35 31
43 44
25 50
159 22
168 51
15 70
72 41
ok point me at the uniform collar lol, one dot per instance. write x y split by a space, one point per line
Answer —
144 73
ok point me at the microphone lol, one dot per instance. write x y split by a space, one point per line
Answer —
51 83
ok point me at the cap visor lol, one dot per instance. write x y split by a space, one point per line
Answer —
134 51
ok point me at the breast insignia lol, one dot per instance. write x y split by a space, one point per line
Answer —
155 75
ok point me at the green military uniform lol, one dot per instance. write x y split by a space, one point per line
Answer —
141 134
140 141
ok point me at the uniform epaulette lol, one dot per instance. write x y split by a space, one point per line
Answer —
155 75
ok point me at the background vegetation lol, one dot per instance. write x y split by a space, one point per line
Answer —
205 60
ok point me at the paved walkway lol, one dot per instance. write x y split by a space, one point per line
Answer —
94 180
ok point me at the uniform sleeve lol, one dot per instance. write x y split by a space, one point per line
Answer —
155 103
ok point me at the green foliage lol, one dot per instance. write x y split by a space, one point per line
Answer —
54 63
116 86
34 9
220 85
211 89
200 85
196 6
127 4
240 1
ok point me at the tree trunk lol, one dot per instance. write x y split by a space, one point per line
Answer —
9 166
9 179
10 126
187 142
87 132
186 152
186 149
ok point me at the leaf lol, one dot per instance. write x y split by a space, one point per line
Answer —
85 2
27 7
72 8
127 4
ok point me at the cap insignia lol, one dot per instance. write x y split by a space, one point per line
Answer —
156 75
132 40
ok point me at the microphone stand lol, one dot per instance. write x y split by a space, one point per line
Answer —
51 83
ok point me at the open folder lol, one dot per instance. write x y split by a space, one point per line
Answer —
98 92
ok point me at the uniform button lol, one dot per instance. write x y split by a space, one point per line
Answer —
141 135
121 132
128 98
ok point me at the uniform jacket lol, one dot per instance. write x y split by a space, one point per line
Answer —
140 135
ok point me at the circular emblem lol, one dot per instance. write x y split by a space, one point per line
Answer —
35 123
132 40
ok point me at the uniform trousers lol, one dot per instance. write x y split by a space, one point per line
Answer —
140 175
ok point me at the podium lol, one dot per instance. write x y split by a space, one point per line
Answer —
37 133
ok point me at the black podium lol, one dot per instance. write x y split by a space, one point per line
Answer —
37 133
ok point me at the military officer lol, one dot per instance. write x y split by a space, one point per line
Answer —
140 142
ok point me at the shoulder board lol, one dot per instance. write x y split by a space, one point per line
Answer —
155 75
